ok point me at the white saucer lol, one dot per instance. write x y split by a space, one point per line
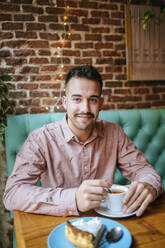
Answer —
109 213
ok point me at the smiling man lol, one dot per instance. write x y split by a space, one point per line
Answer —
76 158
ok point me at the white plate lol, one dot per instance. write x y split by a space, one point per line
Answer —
57 239
108 213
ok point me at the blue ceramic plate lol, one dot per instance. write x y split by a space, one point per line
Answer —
57 239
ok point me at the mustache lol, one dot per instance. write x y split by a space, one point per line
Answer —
85 114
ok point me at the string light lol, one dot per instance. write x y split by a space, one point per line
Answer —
64 37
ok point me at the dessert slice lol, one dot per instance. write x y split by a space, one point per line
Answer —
85 234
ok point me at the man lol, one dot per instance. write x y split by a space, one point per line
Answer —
75 158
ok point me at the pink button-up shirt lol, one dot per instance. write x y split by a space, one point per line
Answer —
55 156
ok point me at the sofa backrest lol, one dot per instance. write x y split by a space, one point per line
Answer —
145 127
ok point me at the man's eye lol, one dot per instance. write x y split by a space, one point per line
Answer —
93 100
76 99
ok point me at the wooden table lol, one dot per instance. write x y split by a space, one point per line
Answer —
147 231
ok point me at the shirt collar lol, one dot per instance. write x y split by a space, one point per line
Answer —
69 135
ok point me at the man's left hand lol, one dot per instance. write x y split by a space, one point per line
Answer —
139 196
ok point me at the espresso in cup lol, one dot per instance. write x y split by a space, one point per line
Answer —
114 200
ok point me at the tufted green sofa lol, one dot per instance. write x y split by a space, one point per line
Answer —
145 127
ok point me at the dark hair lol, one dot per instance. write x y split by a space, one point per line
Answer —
85 71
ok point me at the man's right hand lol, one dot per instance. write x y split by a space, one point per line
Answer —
90 194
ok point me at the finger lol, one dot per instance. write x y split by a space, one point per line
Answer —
138 197
98 182
138 202
144 205
130 193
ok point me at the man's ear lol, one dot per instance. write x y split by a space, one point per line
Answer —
64 101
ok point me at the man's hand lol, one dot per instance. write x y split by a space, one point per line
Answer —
139 196
90 193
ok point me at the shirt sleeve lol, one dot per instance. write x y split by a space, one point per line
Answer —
133 164
22 192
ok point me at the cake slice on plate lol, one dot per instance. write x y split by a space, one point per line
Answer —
85 234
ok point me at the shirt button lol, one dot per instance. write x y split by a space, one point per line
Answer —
70 212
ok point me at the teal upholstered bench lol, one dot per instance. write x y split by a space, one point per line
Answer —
145 127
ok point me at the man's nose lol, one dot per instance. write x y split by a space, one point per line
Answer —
85 106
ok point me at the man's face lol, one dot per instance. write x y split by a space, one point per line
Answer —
82 103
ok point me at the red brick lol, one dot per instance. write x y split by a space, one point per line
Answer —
113 22
25 35
92 53
104 61
6 35
18 94
94 37
30 69
23 18
106 45
69 20
84 45
9 70
49 36
91 20
12 26
22 1
18 78
59 27
113 37
55 11
16 61
14 43
78 12
152 97
141 91
75 53
5 17
32 9
88 5
35 110
120 77
83 61
47 18
38 60
111 53
35 26
63 44
38 44
44 2
101 30
108 6
59 61
70 3
9 7
5 53
50 86
21 110
39 94
24 52
113 84
30 102
27 86
49 68
40 78
44 52
48 101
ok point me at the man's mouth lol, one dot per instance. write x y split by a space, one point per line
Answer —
85 116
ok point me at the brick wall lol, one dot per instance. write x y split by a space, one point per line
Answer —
38 49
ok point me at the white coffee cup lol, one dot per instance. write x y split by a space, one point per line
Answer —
114 200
